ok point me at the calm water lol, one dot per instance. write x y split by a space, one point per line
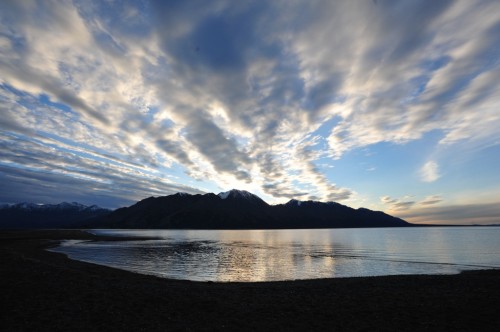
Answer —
265 255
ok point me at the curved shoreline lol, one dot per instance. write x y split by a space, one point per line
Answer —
47 290
198 274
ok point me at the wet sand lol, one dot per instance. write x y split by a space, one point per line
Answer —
41 290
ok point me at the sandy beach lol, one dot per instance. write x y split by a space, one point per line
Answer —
42 290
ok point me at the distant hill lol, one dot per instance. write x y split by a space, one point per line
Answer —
64 215
239 209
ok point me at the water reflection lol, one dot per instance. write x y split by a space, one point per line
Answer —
265 255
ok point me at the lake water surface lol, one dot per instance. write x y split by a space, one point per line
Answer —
271 255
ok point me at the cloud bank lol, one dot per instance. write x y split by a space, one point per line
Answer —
480 214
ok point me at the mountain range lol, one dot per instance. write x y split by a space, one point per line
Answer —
63 215
239 209
234 209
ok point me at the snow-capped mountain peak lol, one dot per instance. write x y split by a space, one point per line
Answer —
237 193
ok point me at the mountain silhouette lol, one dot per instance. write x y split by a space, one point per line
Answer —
239 209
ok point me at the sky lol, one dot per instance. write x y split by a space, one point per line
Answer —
383 104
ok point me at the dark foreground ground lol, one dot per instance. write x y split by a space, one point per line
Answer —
41 290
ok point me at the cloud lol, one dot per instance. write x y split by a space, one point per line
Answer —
430 171
391 100
210 141
397 204
455 214
240 93
52 176
387 200
431 200
258 85
404 204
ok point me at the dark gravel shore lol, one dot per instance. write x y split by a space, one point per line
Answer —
41 290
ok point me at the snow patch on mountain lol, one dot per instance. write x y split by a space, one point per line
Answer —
72 205
46 207
294 202
224 195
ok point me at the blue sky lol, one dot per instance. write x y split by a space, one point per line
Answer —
389 105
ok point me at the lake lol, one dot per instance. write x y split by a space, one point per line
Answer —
272 255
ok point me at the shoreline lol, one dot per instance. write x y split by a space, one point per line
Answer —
93 237
48 290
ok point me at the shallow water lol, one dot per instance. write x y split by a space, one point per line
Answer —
271 255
